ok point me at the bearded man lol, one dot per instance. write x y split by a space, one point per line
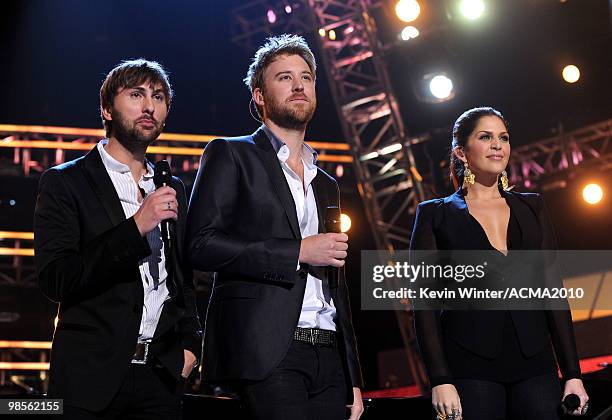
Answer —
128 333
278 328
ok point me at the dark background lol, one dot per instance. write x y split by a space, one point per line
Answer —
56 54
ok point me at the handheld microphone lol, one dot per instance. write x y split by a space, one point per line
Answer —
162 177
332 225
571 402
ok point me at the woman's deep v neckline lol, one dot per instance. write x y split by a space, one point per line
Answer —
504 252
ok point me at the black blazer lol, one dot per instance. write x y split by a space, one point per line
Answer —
87 256
444 224
242 224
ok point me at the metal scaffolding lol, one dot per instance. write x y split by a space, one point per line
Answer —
256 19
387 178
547 162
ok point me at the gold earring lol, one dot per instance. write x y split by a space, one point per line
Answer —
504 180
468 176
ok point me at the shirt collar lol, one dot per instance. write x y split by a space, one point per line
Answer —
114 165
308 153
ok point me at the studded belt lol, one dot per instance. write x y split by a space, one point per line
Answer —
315 336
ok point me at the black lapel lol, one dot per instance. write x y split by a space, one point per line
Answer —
179 225
100 181
457 206
174 258
321 197
171 313
470 234
320 187
275 172
526 218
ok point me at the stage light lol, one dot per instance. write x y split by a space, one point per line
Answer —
409 32
321 32
271 16
288 9
332 35
345 223
472 9
441 87
592 193
339 171
571 73
390 149
369 156
407 10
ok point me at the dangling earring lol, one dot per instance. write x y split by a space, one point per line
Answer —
468 176
504 180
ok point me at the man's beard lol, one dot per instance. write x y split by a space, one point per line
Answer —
286 116
131 136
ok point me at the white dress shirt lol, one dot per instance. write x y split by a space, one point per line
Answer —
317 312
153 268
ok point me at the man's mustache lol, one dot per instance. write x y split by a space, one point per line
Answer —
302 97
147 118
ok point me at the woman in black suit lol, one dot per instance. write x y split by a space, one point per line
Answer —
492 364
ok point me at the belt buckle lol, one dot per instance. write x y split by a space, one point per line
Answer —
145 357
312 339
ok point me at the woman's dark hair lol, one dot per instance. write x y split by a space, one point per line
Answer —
462 129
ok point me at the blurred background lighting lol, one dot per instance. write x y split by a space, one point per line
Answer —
472 9
339 171
345 223
571 73
390 149
407 10
441 87
271 16
409 32
592 193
